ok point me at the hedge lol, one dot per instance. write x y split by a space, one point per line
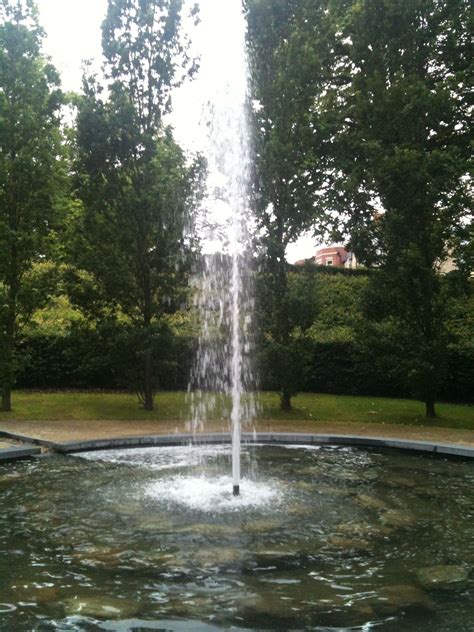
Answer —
101 359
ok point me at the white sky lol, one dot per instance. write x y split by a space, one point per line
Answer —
73 34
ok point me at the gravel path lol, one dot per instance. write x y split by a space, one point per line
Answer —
88 430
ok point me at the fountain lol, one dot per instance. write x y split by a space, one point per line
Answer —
151 538
326 538
224 299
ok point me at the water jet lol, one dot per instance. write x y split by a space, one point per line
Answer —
224 359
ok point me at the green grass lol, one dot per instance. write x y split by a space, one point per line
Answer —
171 406
319 407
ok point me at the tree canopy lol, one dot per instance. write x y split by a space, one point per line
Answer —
137 187
379 149
30 175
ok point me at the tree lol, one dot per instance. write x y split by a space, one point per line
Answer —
400 146
379 147
286 179
137 188
284 358
30 177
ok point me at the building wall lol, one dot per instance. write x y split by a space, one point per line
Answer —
335 256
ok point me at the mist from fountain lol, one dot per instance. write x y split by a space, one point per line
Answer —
222 372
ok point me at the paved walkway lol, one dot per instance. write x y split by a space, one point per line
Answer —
58 431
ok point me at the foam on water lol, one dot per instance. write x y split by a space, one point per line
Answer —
162 458
194 487
213 494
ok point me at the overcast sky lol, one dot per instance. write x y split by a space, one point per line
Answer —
73 34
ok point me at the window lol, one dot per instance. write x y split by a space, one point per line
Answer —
329 262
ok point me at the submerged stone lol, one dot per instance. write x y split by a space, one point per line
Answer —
377 532
271 609
347 617
396 518
394 599
206 529
370 502
153 524
331 490
445 576
101 607
348 544
398 480
99 557
38 594
219 556
192 606
260 526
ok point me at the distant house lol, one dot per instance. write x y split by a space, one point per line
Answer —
335 256
447 265
339 257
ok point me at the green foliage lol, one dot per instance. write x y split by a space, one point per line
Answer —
404 99
285 183
131 245
338 307
379 149
285 311
359 118
30 177
146 57
285 76
339 350
131 236
334 349
107 356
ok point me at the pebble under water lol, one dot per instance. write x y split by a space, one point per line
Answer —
321 539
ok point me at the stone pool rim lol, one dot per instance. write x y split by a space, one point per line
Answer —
17 453
265 438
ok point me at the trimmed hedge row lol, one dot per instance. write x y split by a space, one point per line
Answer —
90 359
93 359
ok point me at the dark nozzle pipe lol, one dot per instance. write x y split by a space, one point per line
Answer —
236 490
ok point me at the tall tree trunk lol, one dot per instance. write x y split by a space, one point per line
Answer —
148 381
8 352
282 333
148 390
285 400
6 399
430 409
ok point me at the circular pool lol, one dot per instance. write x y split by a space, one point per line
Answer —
321 538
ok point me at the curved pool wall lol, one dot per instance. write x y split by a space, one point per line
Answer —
266 438
273 438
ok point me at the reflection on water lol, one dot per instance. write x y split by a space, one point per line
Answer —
321 539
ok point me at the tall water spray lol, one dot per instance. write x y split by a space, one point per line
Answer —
222 371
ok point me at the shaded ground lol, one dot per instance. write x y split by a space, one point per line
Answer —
83 430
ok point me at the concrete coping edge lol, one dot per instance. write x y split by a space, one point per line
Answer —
12 454
273 438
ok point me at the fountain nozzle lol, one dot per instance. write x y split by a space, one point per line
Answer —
236 490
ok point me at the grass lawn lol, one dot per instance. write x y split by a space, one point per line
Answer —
70 407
